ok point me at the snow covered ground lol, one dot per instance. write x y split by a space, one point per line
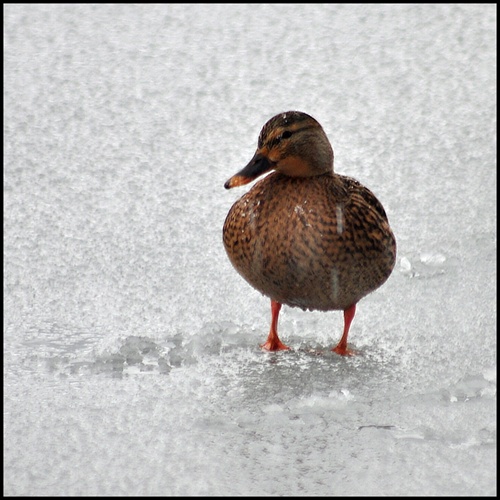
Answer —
131 358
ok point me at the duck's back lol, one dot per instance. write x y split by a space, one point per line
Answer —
320 242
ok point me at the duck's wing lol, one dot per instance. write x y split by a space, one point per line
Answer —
356 189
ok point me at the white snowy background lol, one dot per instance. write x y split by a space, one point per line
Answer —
131 358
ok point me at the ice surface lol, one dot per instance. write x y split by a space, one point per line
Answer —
131 359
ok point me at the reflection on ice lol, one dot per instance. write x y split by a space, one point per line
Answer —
424 265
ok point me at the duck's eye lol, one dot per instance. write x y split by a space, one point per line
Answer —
285 135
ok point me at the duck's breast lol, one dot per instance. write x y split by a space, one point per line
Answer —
314 243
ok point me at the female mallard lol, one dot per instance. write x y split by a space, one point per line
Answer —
305 236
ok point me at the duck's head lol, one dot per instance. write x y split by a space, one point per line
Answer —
292 143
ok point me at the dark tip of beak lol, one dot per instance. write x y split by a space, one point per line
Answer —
257 166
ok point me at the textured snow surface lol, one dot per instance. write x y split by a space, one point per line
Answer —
131 358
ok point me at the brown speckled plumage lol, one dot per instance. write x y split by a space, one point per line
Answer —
318 241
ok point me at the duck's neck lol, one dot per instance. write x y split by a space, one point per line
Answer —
316 157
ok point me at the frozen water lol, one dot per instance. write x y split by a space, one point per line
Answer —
131 359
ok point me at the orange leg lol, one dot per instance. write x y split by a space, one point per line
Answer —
273 343
342 345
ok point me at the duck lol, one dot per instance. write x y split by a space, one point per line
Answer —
303 235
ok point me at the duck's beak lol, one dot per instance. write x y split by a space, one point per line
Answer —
257 166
